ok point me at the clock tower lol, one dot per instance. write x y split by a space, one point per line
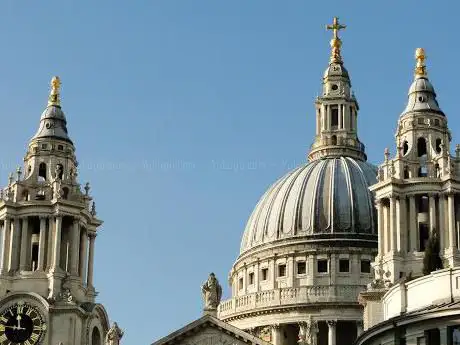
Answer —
48 231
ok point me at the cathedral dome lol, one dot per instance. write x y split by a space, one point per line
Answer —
326 198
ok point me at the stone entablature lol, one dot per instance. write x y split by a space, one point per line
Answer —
289 296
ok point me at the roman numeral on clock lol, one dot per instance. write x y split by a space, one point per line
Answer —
34 336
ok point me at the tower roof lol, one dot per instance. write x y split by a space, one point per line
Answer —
421 96
53 123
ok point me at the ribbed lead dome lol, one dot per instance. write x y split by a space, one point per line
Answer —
325 196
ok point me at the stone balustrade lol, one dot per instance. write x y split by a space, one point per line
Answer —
289 296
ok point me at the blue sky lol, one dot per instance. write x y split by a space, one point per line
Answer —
184 112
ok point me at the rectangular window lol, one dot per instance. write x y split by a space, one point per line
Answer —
301 267
344 265
365 266
60 147
251 278
281 270
240 284
264 273
44 146
322 266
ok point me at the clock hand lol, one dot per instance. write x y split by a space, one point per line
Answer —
19 321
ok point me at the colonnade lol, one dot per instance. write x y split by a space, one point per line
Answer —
398 221
311 329
346 117
75 258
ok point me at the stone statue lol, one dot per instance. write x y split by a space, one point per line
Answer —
212 293
114 335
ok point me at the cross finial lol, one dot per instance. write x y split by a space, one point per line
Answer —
335 27
336 43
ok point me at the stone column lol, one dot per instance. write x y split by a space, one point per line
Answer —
89 281
75 245
276 334
323 117
432 205
83 253
393 243
318 121
386 229
380 227
6 238
15 244
272 272
359 327
413 224
451 219
57 244
402 225
42 244
257 275
340 113
331 335
291 272
442 223
25 244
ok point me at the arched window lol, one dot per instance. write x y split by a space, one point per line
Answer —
25 195
438 145
96 337
334 140
421 147
65 193
405 147
406 172
59 171
42 170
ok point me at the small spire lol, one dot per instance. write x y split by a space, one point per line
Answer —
420 67
54 98
336 43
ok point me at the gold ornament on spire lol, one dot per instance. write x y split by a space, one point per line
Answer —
54 98
336 43
420 67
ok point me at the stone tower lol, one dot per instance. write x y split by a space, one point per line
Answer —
49 227
417 193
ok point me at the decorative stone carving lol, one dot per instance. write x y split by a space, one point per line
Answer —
65 294
308 331
211 293
114 335
265 333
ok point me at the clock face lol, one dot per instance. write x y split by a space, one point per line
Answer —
22 324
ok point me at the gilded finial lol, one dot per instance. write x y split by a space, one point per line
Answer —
336 43
54 98
420 67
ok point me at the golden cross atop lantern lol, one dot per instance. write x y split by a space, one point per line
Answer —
336 43
53 98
